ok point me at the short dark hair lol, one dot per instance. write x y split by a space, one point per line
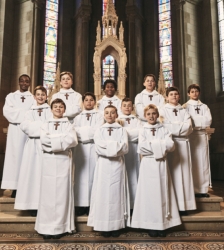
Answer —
127 99
40 87
58 100
170 89
88 94
111 106
110 81
153 76
25 76
193 86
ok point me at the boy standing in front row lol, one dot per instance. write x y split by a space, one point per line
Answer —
201 117
56 204
132 159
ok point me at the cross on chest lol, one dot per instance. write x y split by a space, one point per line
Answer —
197 109
150 96
56 125
66 95
175 111
110 102
153 131
88 116
110 130
23 98
40 111
128 120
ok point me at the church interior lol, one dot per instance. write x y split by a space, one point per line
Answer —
181 42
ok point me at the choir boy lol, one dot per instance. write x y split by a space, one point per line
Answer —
109 207
132 159
85 124
16 105
110 88
71 98
178 121
148 96
27 197
201 118
56 204
155 205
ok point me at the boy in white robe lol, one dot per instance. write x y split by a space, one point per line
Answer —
148 96
155 205
109 208
14 110
56 204
71 98
110 88
27 197
177 120
132 159
201 118
85 124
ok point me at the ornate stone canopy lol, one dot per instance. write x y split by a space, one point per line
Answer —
110 44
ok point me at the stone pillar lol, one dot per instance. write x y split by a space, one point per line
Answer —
81 47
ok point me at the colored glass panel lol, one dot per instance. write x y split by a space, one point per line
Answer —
51 38
165 41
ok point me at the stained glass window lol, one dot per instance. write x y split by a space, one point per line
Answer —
221 35
50 46
165 41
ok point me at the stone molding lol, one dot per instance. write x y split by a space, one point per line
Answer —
39 3
179 3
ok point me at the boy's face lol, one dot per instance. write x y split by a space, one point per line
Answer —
89 102
173 97
110 115
109 90
24 83
149 83
151 116
40 97
66 81
58 110
194 94
126 108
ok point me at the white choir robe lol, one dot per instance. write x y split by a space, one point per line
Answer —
14 110
56 203
73 102
145 98
105 101
155 202
177 120
110 205
85 124
28 190
132 159
201 118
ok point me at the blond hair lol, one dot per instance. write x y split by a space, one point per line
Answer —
151 106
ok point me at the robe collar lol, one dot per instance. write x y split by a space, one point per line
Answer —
43 106
113 125
68 91
154 92
169 106
122 116
157 125
26 93
92 111
195 103
110 98
64 119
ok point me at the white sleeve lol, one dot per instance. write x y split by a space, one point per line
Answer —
139 107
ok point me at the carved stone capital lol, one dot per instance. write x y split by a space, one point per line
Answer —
84 12
133 13
180 3
39 3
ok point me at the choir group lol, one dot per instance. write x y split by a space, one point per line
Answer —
141 171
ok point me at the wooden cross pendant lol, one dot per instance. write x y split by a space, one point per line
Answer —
153 131
56 125
40 111
110 130
110 102
128 120
88 116
197 109
150 96
23 98
175 111
66 95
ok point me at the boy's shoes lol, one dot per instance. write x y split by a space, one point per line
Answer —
183 213
47 236
13 195
33 213
57 236
153 233
131 212
115 233
87 210
162 233
202 195
106 234
80 211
